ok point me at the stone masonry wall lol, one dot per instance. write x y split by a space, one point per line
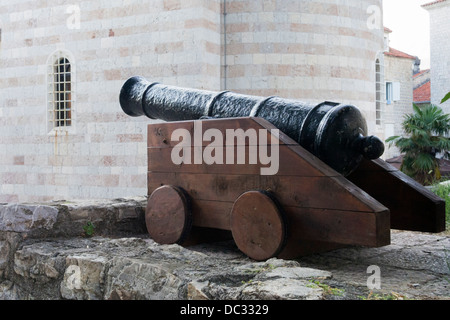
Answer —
45 253
310 50
398 70
100 250
103 154
440 49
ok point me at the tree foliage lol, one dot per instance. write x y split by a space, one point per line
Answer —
426 137
447 97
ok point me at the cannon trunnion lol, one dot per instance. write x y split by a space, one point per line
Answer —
293 205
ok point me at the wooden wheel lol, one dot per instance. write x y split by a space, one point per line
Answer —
168 216
258 225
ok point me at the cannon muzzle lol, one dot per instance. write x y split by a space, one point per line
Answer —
335 133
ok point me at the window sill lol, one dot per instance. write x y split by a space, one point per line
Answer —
60 131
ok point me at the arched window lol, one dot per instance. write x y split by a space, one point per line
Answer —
378 91
60 91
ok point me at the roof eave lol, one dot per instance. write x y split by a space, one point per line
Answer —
434 4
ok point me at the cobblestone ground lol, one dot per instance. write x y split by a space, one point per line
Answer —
415 266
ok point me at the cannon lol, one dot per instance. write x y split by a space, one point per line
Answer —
323 186
335 133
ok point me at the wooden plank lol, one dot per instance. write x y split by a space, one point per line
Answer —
328 228
211 214
339 227
199 235
288 162
335 193
293 158
160 135
412 206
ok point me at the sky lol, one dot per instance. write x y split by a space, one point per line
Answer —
410 25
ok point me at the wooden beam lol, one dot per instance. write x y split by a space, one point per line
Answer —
412 206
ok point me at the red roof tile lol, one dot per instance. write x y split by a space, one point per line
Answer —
423 93
432 3
421 73
397 53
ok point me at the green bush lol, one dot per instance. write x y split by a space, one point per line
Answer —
443 191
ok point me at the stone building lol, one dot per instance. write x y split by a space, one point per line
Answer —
440 48
63 134
399 88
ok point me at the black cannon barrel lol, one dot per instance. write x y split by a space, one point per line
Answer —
335 133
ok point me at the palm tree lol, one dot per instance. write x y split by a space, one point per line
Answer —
427 130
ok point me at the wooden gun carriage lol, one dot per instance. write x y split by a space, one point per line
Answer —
314 200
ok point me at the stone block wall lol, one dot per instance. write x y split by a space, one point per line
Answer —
399 70
103 153
46 255
440 51
309 50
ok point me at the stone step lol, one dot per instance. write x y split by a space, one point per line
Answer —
117 217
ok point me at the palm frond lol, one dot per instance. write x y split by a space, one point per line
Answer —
426 135
425 162
447 97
